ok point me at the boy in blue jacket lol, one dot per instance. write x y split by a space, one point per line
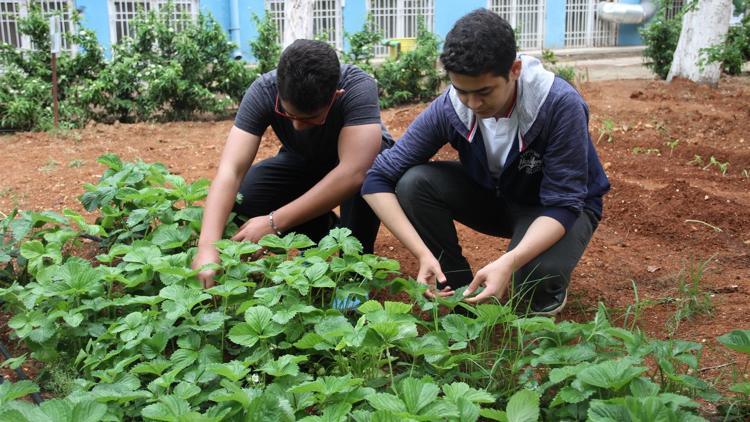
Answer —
527 171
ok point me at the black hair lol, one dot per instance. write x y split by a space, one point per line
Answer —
480 42
308 74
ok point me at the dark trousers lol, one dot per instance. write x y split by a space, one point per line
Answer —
433 195
276 181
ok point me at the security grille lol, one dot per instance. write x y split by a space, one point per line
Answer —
326 20
275 9
122 12
526 17
400 18
11 11
584 29
672 8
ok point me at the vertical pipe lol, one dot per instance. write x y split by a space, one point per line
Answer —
234 27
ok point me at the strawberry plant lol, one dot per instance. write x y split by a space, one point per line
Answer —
144 340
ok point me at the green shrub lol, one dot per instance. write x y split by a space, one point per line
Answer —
362 46
168 74
266 48
661 36
26 80
413 75
549 59
733 52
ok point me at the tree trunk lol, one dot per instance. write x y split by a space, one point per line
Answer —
704 26
299 14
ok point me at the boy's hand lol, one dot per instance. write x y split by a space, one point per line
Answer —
254 229
206 255
495 277
431 274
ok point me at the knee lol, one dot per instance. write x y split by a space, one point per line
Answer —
412 183
544 274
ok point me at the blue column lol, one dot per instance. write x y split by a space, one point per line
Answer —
554 24
353 15
96 18
447 12
628 34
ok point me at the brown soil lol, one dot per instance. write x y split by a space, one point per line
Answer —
663 214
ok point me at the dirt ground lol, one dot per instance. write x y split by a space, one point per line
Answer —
667 210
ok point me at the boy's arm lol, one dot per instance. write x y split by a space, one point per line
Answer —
239 152
357 147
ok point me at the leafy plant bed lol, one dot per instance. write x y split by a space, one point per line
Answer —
137 338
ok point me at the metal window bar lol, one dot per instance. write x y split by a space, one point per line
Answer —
400 18
526 17
584 29
673 8
11 11
327 21
275 9
122 12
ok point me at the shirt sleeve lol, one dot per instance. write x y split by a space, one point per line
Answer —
564 184
422 140
360 101
256 108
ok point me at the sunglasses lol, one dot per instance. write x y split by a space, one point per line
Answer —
318 120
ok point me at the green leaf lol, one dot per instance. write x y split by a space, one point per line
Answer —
387 402
170 236
523 406
10 391
643 387
612 374
260 321
243 335
602 411
459 390
738 340
155 367
285 365
370 306
417 394
88 411
742 388
233 371
284 315
397 308
169 409
110 160
493 414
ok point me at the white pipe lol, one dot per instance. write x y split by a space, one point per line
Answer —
626 13
234 27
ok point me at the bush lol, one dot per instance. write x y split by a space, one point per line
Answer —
26 79
412 76
164 73
362 46
735 50
661 36
549 59
266 48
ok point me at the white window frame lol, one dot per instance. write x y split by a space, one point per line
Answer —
587 29
21 7
122 19
276 9
519 13
403 18
325 14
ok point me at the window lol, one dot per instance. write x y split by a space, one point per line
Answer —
526 17
275 9
399 18
12 10
584 29
122 12
326 20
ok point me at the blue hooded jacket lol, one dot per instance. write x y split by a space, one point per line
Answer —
552 163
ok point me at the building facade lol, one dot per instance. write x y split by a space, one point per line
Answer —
552 24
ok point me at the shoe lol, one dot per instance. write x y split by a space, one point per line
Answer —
550 307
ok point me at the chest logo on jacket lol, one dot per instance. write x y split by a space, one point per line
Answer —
530 162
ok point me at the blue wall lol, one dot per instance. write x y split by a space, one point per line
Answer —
96 17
